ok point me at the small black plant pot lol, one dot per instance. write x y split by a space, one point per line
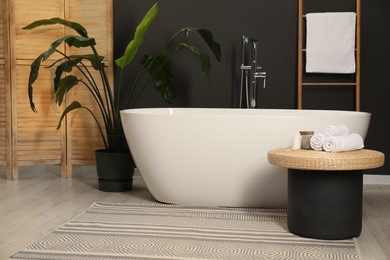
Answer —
115 170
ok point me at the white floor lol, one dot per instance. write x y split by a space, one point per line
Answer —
376 179
41 200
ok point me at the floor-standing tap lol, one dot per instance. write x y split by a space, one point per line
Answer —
250 73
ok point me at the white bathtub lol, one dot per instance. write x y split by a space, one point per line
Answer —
218 157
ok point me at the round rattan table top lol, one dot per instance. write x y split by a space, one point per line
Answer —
320 160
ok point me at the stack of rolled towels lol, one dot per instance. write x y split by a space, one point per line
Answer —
336 138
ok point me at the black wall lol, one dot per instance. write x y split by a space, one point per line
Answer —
274 24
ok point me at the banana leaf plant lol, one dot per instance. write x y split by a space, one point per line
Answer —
155 68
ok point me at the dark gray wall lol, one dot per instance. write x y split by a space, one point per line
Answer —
274 24
375 75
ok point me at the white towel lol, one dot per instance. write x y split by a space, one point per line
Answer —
317 142
343 143
330 42
331 130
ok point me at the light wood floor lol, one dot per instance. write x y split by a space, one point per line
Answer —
41 201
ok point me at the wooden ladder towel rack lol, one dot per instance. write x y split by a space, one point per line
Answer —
301 53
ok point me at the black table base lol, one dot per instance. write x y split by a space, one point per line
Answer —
325 204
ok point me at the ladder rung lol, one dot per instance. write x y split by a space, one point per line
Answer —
305 50
328 84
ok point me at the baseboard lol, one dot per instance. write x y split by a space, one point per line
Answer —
376 179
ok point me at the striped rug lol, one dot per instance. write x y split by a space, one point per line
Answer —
162 231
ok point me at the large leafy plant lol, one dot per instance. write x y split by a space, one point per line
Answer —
156 68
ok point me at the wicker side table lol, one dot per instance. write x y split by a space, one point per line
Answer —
325 190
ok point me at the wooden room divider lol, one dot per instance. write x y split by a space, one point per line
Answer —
29 138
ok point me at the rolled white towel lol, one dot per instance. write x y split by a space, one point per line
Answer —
317 142
332 130
343 143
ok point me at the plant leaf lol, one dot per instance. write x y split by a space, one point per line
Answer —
79 41
71 40
66 66
95 60
73 25
74 105
160 70
64 86
204 58
34 72
208 37
213 45
133 46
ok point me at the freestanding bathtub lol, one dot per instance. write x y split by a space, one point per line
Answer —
218 157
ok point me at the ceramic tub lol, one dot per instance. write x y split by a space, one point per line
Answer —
218 157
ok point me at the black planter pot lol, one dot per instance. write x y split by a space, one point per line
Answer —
115 170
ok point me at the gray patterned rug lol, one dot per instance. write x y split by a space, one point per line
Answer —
161 231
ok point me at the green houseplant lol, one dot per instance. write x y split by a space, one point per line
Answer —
155 68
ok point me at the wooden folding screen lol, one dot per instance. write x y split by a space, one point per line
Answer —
3 82
302 50
33 138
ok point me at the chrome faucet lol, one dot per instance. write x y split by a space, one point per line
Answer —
252 73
